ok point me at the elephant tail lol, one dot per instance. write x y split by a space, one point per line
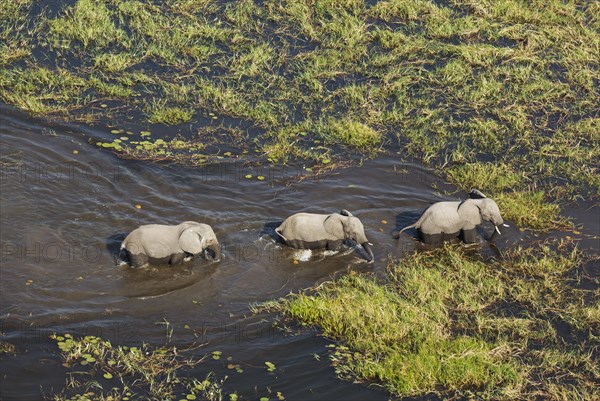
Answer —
396 234
407 227
278 231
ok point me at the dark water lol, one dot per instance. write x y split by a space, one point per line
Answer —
63 215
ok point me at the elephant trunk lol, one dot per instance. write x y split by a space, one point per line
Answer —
214 251
495 233
367 248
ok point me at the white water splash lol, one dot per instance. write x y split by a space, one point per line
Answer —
303 255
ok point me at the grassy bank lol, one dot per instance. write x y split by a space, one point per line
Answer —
463 86
449 324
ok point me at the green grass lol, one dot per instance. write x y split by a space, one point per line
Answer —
114 63
14 31
513 191
437 325
455 82
160 113
403 343
531 209
87 23
351 133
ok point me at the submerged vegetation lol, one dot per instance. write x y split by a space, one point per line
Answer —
447 323
131 373
128 371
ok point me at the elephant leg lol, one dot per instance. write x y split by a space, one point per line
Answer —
177 258
138 260
298 244
469 236
450 236
334 245
431 238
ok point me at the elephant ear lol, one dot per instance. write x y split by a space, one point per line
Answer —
476 194
344 212
334 225
469 212
190 241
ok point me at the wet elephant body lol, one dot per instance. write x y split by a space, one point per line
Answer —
444 221
323 231
169 244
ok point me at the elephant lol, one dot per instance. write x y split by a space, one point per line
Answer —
172 244
323 231
447 220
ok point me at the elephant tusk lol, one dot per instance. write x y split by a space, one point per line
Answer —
498 230
505 225
370 244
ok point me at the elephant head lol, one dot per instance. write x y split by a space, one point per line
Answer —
344 225
200 238
308 230
487 210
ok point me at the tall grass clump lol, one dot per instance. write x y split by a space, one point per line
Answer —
351 133
448 323
87 22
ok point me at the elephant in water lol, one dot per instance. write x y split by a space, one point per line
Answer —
323 231
157 243
446 220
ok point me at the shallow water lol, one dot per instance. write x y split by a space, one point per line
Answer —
63 216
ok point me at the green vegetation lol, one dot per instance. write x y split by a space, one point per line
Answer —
179 150
351 133
129 372
447 323
7 348
458 84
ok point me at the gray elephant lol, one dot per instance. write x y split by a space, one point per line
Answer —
447 220
323 231
157 243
